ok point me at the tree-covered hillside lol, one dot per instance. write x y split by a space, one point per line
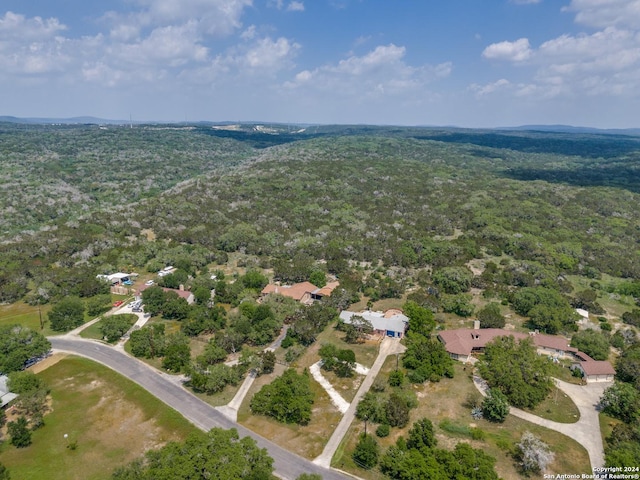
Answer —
342 195
52 172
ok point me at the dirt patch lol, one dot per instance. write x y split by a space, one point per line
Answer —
47 362
149 233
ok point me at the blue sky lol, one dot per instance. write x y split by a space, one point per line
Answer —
469 63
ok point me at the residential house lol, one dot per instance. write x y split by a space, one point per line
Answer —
392 323
301 292
463 342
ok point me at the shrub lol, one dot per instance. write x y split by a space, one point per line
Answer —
383 430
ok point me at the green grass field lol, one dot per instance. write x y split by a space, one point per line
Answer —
112 419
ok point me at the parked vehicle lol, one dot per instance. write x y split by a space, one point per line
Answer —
118 303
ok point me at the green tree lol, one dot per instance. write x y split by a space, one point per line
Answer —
420 318
288 398
358 328
632 317
342 362
397 410
459 304
153 299
268 361
19 432
366 452
19 344
372 407
491 317
453 280
593 343
149 341
426 359
218 455
114 327
214 379
318 278
254 279
495 406
621 400
67 314
628 366
515 368
98 305
24 382
623 446
177 354
421 435
211 355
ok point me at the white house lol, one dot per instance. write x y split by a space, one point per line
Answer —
392 323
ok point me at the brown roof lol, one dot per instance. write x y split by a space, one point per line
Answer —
327 289
553 341
463 340
181 293
597 367
295 291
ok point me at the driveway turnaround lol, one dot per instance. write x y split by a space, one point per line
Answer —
287 465
586 431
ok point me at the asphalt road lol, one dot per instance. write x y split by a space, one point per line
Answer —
287 465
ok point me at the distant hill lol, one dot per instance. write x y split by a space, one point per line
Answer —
72 120
250 125
572 129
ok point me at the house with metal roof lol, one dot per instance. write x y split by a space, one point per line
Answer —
392 323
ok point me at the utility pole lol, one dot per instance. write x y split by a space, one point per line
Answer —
41 321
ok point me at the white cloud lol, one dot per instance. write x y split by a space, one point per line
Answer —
292 6
380 72
481 90
295 7
14 26
169 46
213 17
517 51
604 62
249 33
606 13
269 54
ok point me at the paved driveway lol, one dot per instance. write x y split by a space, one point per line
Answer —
586 430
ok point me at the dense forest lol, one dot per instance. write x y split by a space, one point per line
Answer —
535 223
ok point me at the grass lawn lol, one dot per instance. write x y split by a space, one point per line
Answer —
447 400
557 407
94 332
26 315
112 419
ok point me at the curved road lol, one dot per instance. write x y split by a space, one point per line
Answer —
287 465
